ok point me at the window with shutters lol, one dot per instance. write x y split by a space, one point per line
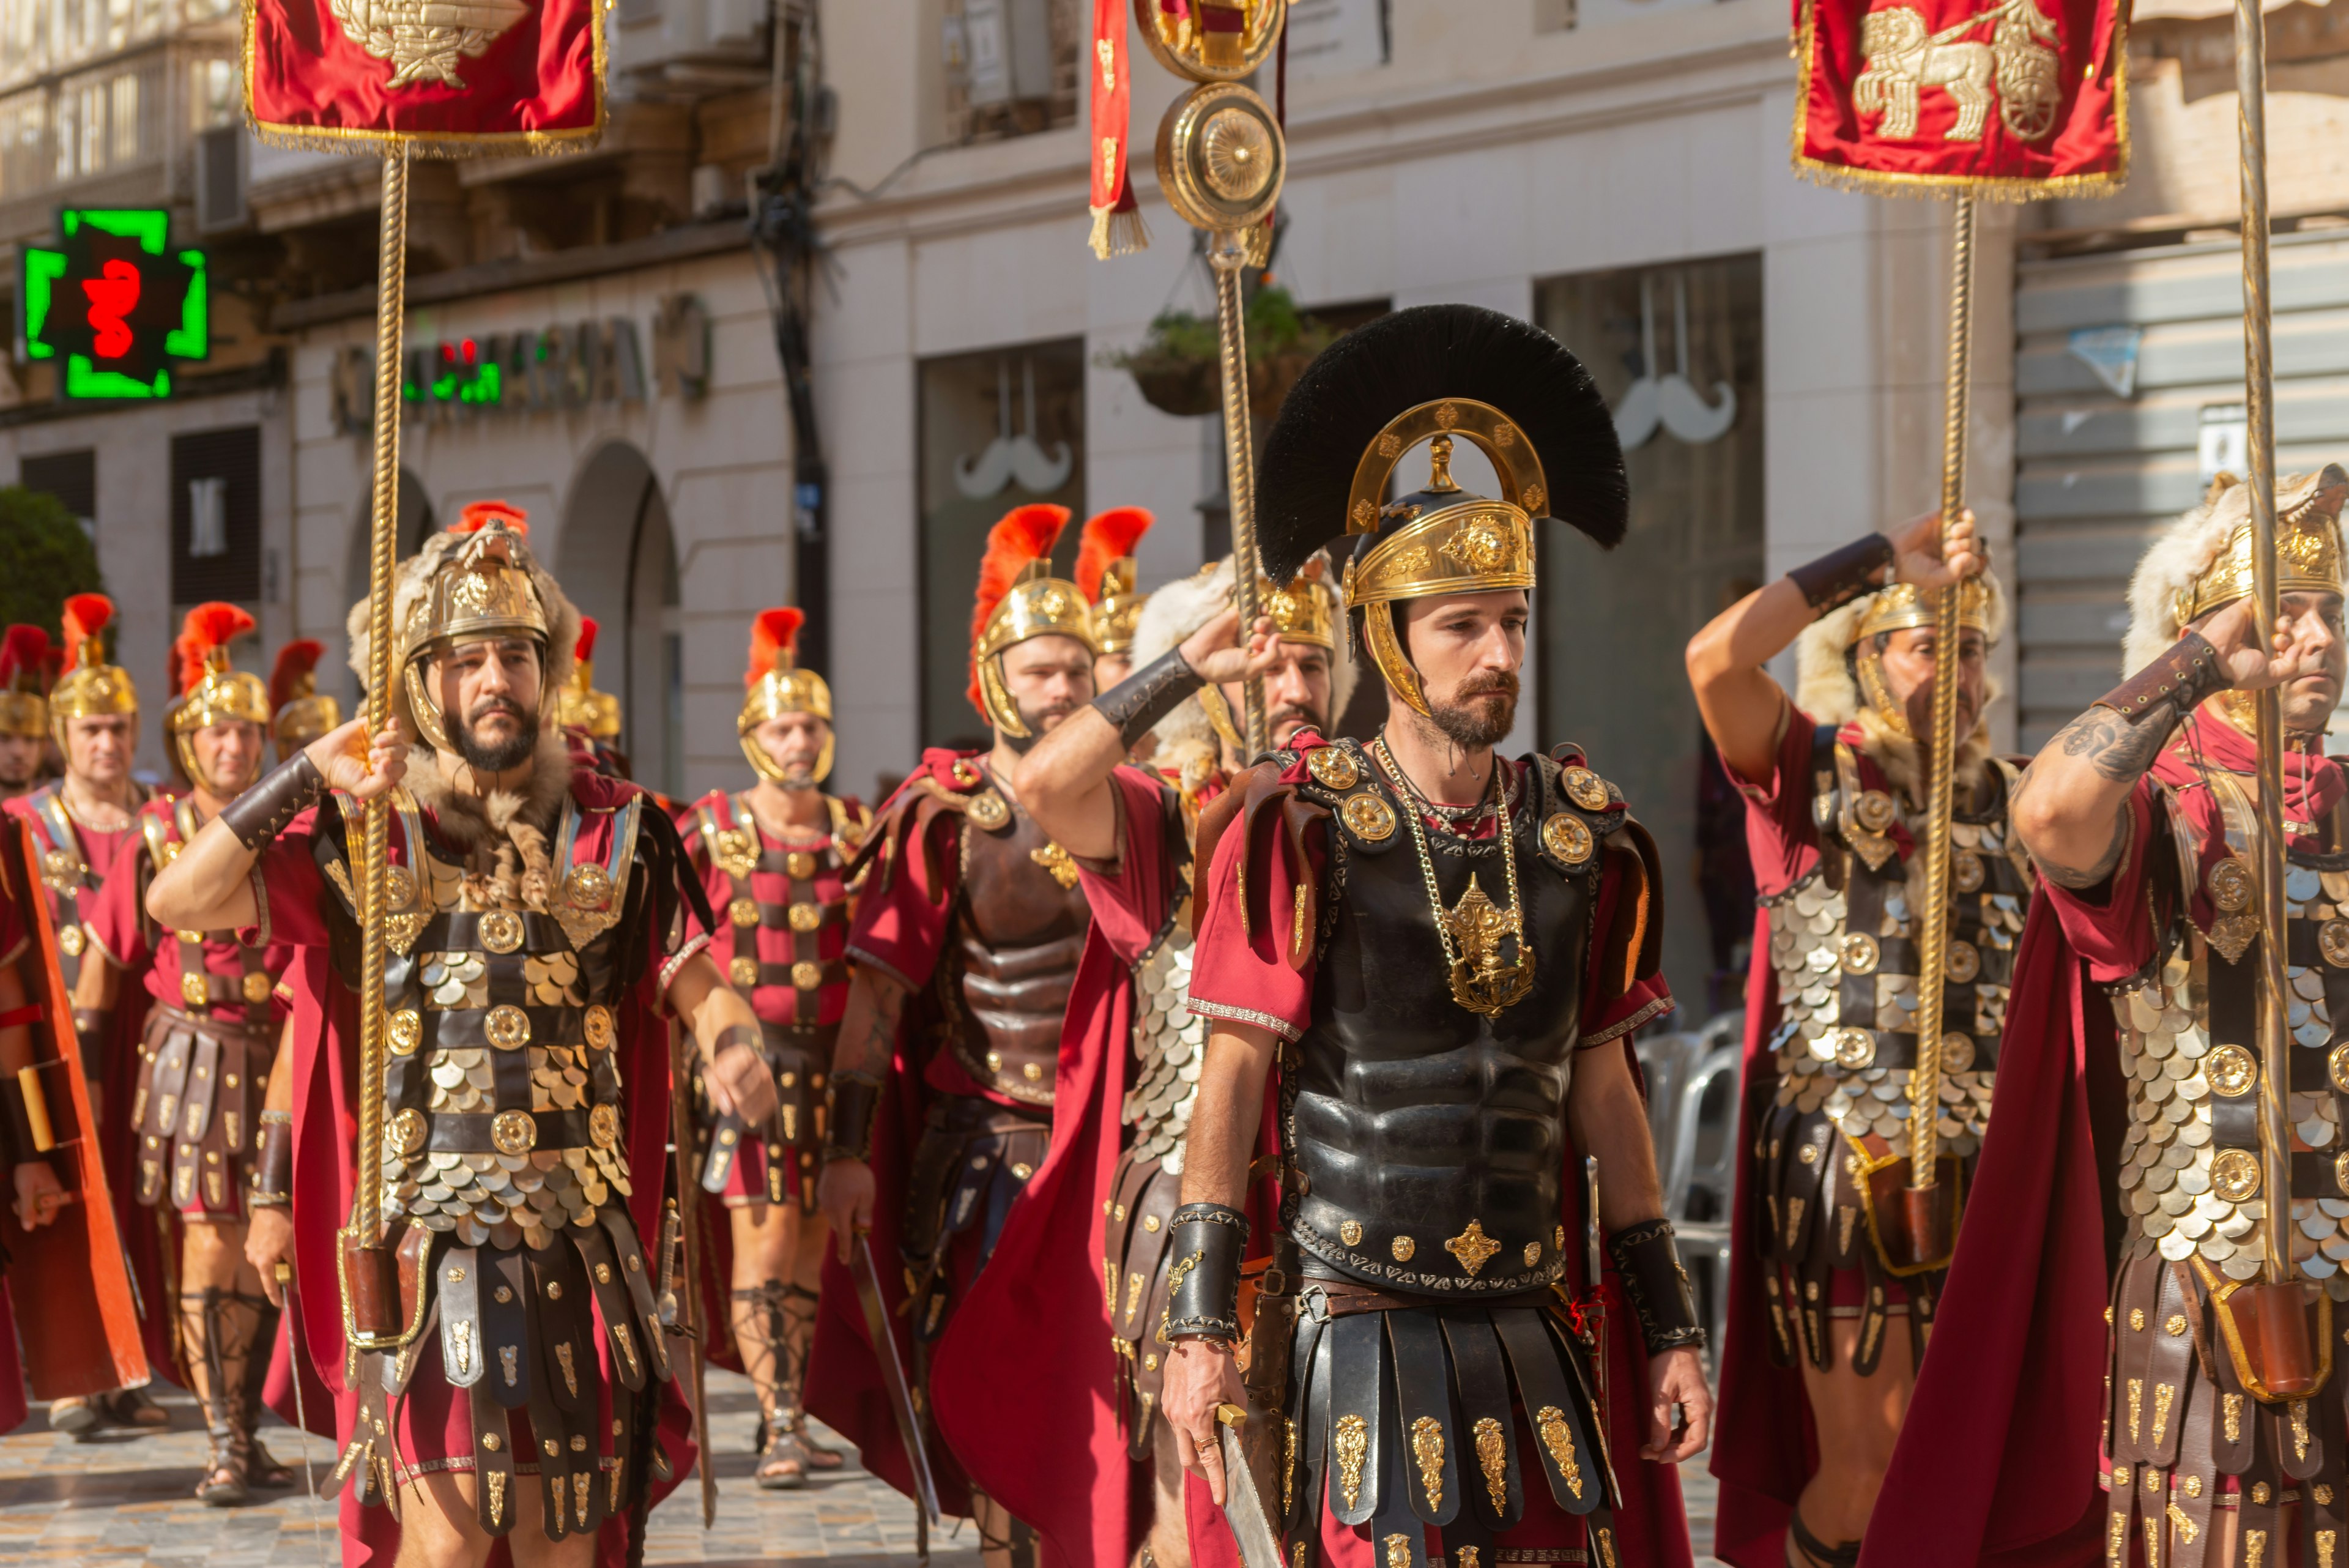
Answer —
216 515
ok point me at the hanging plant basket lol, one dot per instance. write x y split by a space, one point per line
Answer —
1178 367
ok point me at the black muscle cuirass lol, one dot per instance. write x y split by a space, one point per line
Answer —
1018 932
1428 1141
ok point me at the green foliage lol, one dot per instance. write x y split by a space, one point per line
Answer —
44 557
1274 326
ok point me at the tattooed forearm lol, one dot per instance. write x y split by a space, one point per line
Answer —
2116 749
868 1030
2079 880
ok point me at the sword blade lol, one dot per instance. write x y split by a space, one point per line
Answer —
892 1375
1244 1508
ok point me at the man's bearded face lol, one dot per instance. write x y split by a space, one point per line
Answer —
488 695
1295 693
1468 649
1049 677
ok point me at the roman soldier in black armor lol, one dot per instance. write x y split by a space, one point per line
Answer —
946 1079
1422 965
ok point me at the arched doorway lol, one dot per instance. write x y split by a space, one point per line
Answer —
617 560
415 521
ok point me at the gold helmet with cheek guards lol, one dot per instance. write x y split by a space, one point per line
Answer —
212 691
89 687
775 685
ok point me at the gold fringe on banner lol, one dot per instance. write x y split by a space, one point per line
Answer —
1117 233
1988 188
433 144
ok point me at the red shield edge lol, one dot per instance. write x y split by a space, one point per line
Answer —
79 1327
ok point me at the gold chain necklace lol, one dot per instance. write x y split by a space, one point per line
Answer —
1472 929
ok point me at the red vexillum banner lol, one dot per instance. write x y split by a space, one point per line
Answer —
444 76
2012 99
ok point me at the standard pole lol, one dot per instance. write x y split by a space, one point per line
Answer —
1933 920
2259 418
1227 252
392 296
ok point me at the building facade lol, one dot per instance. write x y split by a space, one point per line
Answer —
595 339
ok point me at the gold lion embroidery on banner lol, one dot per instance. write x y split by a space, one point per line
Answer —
2016 69
423 40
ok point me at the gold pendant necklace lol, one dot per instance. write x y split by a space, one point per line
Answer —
1472 930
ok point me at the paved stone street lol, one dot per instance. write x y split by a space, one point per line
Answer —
126 1500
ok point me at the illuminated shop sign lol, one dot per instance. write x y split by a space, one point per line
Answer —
583 365
114 306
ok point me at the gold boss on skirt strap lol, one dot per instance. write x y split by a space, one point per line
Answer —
806 917
405 1031
743 912
743 971
603 1127
600 1027
255 987
409 1131
195 990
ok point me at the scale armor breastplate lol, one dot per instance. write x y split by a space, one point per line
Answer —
1843 943
1428 1142
1011 958
503 1094
2189 1172
1170 1042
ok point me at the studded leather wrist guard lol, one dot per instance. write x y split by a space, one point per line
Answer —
260 812
272 1162
1842 575
26 1117
91 1024
1650 1262
2175 683
1208 1243
1137 702
852 1103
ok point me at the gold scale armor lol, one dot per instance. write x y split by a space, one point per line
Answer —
502 1152
2185 1405
1170 1045
523 1186
1843 945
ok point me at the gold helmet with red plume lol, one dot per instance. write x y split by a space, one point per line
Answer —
1106 575
774 685
1019 599
211 691
90 688
577 705
23 706
475 581
300 713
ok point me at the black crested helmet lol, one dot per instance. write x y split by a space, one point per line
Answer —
1436 373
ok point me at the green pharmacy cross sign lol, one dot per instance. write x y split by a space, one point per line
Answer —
114 306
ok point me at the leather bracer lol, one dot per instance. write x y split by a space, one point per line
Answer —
1137 702
852 1100
1842 575
1650 1263
260 812
2178 681
272 1162
1208 1243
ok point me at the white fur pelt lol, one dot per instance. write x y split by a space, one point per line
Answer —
1174 613
411 577
1824 689
2184 551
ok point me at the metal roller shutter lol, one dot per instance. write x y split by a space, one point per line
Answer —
2096 473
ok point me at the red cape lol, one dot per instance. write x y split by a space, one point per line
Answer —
326 1126
1997 1460
1023 1382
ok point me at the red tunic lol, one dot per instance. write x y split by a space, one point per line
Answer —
1998 1459
1250 979
1052 1456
